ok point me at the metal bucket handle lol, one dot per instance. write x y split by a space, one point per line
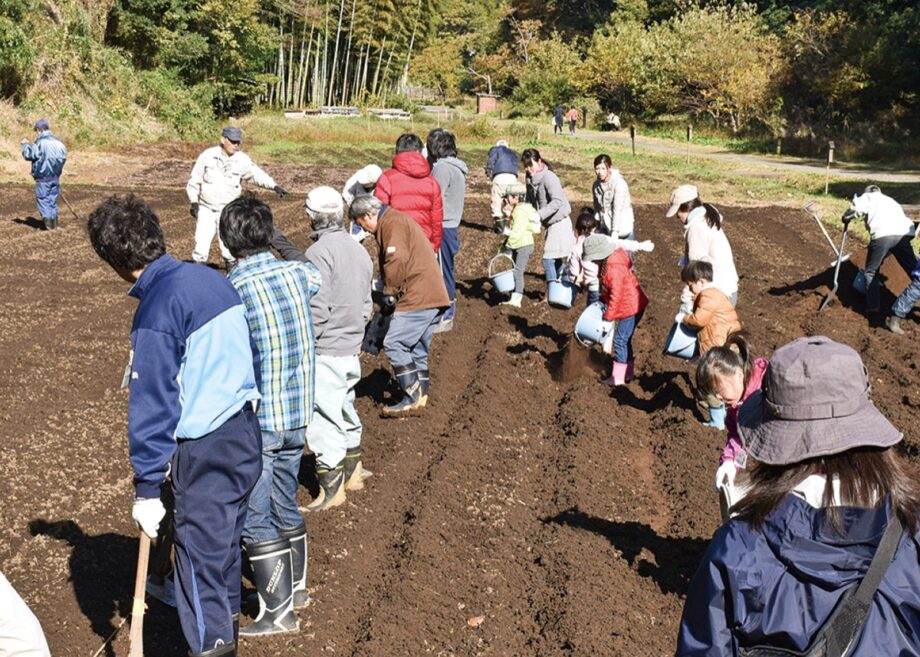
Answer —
497 256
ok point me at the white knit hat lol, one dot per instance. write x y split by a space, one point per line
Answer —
324 199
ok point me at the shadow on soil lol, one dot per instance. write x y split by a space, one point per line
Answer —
845 294
673 562
30 222
102 570
666 392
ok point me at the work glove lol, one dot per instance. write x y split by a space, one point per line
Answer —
280 191
147 513
726 473
388 302
679 317
647 245
25 142
193 210
848 216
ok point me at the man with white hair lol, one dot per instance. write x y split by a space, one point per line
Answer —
413 290
215 181
890 232
502 169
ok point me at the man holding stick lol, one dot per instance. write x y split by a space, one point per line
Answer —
193 387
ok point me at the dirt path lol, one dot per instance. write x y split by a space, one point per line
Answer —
568 516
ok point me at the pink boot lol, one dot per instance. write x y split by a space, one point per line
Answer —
630 369
617 374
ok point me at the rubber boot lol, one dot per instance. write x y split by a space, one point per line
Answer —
297 536
716 417
408 381
355 474
617 374
236 628
894 325
424 381
331 488
226 650
271 573
49 223
54 222
514 301
630 369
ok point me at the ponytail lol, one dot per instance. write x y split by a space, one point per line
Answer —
723 362
713 216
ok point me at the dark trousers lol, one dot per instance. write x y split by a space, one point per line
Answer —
879 249
450 245
212 477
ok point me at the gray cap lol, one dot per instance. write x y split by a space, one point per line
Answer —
814 402
232 133
599 247
41 124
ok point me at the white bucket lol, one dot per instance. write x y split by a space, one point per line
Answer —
589 327
503 281
859 283
681 342
561 293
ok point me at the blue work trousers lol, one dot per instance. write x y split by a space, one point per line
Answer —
46 197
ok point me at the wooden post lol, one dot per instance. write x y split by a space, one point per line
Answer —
584 118
689 139
632 137
779 145
830 160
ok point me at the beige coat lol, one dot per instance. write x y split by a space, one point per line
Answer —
714 316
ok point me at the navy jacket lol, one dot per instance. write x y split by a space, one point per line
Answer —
193 366
777 586
501 160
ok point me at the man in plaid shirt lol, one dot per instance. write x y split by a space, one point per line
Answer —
276 295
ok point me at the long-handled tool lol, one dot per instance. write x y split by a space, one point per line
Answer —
70 207
840 259
809 209
140 592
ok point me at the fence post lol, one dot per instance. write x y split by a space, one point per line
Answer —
632 137
830 160
689 139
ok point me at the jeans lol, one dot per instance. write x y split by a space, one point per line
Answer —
622 338
593 297
409 337
336 426
553 268
879 248
909 297
272 505
521 257
46 196
205 228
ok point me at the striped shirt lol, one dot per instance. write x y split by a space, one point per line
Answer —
277 296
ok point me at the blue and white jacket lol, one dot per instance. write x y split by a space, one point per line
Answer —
501 160
193 366
47 155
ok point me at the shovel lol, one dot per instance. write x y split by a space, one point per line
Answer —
808 208
840 259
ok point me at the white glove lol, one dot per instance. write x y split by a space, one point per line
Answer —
679 317
647 245
726 472
147 513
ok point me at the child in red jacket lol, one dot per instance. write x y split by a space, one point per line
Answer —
623 298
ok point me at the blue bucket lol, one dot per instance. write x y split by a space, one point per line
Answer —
588 328
681 342
561 293
859 283
503 281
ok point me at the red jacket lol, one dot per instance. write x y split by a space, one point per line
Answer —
409 188
620 289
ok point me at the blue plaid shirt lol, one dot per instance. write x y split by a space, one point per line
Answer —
277 296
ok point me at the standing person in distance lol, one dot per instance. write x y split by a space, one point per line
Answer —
890 233
277 297
450 173
545 193
558 118
572 118
502 170
193 385
215 181
409 188
612 203
48 156
413 290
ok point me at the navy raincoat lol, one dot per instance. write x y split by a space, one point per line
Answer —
778 585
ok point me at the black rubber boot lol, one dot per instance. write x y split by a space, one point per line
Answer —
355 474
297 536
271 573
49 223
226 650
331 488
236 628
423 381
408 381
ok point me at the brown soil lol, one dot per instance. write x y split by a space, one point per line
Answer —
569 516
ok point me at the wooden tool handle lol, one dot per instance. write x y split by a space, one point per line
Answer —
140 593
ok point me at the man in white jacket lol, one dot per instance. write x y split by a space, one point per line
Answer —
890 232
215 181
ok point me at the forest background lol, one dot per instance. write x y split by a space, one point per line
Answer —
755 73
